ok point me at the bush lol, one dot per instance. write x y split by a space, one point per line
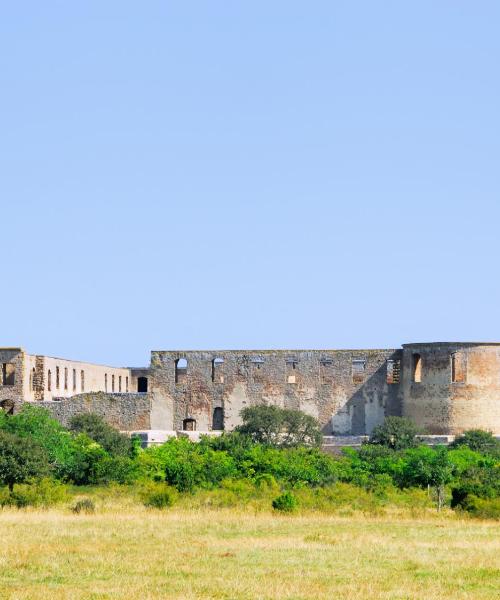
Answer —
396 433
285 502
480 441
84 506
85 462
159 496
187 465
483 508
279 427
96 428
44 493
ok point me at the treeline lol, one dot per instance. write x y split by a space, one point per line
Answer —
274 448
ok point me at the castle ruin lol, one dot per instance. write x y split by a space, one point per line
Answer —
445 387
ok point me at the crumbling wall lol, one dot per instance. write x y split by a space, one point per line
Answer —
126 412
12 378
459 387
346 390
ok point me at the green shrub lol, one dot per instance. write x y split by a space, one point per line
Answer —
119 469
85 505
158 496
478 440
483 508
285 502
186 465
162 499
44 493
265 481
96 428
396 433
279 427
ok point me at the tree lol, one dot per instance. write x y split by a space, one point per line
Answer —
96 428
479 441
280 427
21 459
429 467
397 433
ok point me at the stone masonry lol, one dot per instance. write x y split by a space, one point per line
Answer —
443 387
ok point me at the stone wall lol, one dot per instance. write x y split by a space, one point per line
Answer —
459 387
12 380
126 412
450 388
346 390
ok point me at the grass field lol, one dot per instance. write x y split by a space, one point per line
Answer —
133 552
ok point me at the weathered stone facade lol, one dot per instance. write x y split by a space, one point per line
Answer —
126 412
346 390
459 387
443 387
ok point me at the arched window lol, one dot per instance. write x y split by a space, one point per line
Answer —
142 385
181 366
417 368
218 419
189 424
49 381
217 375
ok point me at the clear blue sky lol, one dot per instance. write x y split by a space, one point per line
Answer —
254 174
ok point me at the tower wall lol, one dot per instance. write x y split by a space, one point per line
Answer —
459 386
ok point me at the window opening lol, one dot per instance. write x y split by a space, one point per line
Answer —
189 424
217 375
8 374
458 369
142 385
218 419
417 368
393 371
181 366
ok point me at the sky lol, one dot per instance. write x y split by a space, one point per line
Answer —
247 174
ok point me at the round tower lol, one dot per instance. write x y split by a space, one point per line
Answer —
451 387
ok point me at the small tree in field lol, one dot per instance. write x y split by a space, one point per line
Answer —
280 427
397 433
429 467
21 459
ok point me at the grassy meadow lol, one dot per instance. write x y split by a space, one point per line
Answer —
86 513
125 550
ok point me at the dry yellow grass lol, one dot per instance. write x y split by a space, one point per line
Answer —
230 554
